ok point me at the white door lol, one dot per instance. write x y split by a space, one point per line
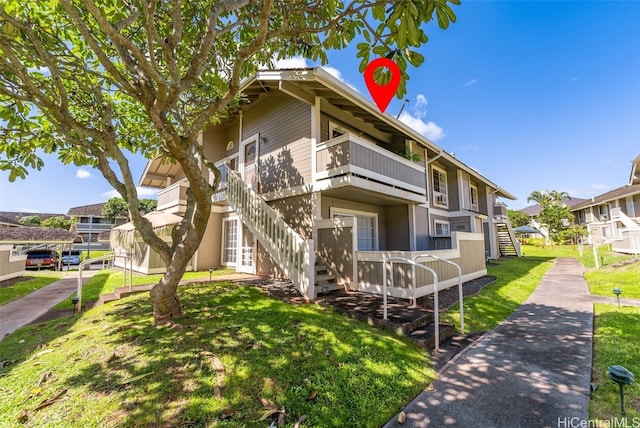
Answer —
249 155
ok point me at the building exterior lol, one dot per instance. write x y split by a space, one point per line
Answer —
533 211
319 187
614 217
91 222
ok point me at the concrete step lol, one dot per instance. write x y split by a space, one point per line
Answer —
425 336
332 287
324 277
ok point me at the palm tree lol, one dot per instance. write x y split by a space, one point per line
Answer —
540 197
557 196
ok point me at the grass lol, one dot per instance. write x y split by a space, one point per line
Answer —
615 343
107 280
32 281
627 278
235 353
517 278
606 257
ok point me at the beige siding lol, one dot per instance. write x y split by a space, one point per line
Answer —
421 222
284 125
209 251
10 266
336 247
297 212
460 224
398 228
328 203
265 265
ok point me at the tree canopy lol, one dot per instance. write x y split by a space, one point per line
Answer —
116 208
554 212
59 222
93 81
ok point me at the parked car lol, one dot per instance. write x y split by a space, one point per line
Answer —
72 257
41 259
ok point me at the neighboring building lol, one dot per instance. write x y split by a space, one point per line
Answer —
11 218
533 211
91 222
614 217
8 222
313 190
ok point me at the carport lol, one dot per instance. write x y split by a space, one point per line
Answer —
26 238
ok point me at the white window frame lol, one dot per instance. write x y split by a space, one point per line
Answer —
223 247
335 127
334 211
436 193
472 188
221 162
441 223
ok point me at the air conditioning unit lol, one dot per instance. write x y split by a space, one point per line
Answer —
441 199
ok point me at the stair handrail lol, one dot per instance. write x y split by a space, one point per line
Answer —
294 254
460 293
108 256
413 263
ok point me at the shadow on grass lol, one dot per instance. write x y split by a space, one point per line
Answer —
323 365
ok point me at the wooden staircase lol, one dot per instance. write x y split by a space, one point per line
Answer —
505 241
325 281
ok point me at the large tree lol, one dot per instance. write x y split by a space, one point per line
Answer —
94 80
554 212
117 207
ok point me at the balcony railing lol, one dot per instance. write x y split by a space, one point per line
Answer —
173 198
353 157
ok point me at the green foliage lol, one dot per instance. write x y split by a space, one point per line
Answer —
30 220
234 347
517 218
117 208
554 213
615 342
603 281
59 221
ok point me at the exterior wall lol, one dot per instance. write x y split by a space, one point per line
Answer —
328 203
398 228
209 251
421 227
335 246
297 211
145 259
460 224
452 186
11 266
467 252
281 120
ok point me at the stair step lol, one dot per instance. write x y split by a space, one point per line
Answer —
332 287
425 337
325 277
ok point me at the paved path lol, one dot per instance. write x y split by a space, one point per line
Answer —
533 370
21 312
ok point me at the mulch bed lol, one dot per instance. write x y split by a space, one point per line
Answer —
13 281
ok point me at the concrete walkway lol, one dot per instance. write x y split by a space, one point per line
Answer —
21 312
533 370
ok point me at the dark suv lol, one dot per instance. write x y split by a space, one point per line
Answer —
41 259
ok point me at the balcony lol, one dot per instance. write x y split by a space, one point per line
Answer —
349 160
173 199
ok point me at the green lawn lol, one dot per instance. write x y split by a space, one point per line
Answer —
616 342
107 280
517 278
237 355
34 281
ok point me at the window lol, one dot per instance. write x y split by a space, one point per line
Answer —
250 153
367 228
336 130
581 216
441 228
229 241
603 211
474 198
439 180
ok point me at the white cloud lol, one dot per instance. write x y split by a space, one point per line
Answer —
83 173
413 117
427 129
471 82
295 62
142 192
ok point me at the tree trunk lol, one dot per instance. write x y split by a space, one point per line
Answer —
166 306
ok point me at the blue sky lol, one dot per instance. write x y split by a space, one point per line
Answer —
534 95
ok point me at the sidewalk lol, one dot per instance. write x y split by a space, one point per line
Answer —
21 312
533 370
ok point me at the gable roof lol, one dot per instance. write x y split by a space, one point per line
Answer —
534 210
305 84
635 171
36 235
620 192
87 210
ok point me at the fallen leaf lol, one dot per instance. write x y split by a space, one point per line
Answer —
268 413
39 354
266 403
326 353
227 414
51 400
248 346
5 363
402 417
45 376
300 421
312 396
135 378
22 416
281 417
217 393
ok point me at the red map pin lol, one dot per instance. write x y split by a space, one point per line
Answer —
382 94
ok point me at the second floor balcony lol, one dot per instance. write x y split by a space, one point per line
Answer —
349 160
173 198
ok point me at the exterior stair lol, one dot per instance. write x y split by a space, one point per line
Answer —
505 242
325 281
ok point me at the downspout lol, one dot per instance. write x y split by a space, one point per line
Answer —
427 161
492 223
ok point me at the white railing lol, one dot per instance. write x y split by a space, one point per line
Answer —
110 256
173 196
294 254
414 264
617 214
